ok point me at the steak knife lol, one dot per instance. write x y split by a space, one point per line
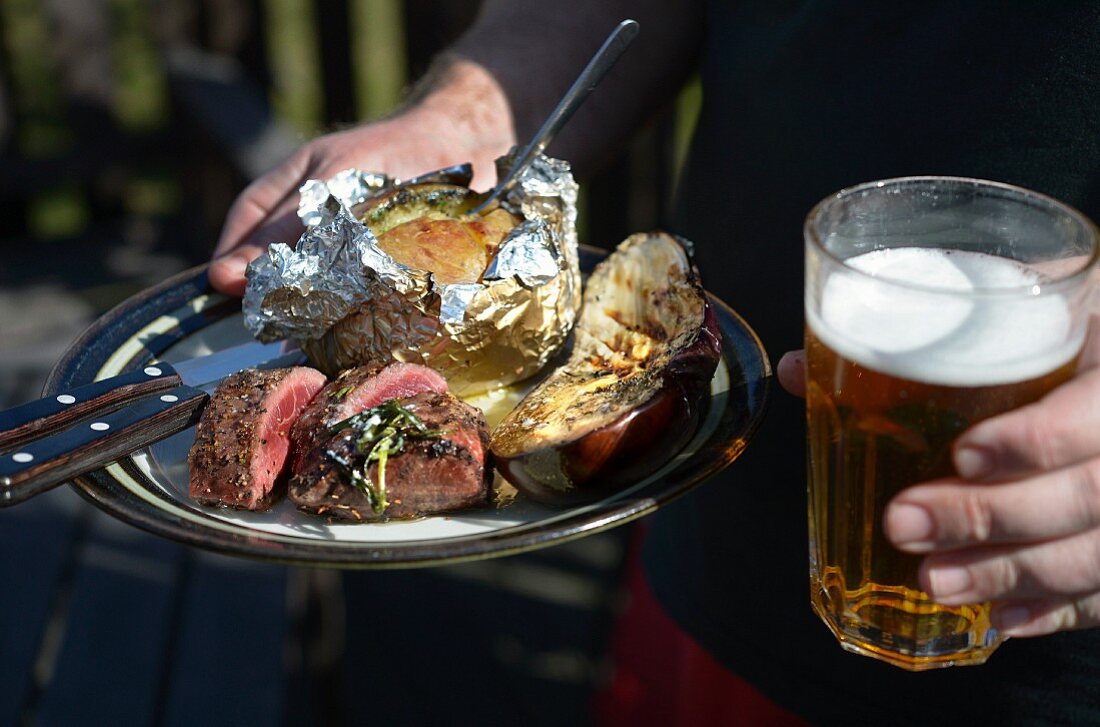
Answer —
47 442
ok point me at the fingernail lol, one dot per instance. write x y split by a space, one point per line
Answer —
973 462
949 581
1012 617
908 524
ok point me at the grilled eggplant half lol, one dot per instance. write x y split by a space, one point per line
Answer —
646 347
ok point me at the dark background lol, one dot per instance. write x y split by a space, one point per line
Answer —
127 127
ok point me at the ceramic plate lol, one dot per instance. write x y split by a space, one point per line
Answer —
182 318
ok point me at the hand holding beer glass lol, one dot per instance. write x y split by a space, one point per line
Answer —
932 303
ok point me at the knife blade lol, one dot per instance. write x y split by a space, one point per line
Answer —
47 442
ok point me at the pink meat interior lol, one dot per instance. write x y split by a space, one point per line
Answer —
395 381
272 438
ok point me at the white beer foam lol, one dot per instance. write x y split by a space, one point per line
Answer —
941 337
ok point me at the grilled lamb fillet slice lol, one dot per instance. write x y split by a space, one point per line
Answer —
430 475
239 456
353 391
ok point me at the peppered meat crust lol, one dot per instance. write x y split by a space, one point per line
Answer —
429 476
231 437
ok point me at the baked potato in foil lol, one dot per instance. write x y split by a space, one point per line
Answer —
399 271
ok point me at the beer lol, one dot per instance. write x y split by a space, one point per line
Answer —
906 348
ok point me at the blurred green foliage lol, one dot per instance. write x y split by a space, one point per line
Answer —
153 191
60 211
378 55
295 62
36 87
140 98
686 115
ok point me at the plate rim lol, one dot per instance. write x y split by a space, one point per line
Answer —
99 486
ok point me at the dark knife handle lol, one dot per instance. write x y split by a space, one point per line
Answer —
46 462
34 419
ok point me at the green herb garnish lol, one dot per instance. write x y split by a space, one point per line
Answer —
380 433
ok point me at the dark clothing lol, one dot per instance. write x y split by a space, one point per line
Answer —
802 99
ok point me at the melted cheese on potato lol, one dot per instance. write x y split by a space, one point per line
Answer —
454 250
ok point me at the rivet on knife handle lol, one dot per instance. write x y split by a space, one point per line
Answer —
34 419
37 466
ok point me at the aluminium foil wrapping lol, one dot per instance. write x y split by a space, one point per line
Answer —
347 302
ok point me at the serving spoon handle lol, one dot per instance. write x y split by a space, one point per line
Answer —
602 62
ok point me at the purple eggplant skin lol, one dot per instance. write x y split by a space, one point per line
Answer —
642 422
609 458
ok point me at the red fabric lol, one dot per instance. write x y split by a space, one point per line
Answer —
662 677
